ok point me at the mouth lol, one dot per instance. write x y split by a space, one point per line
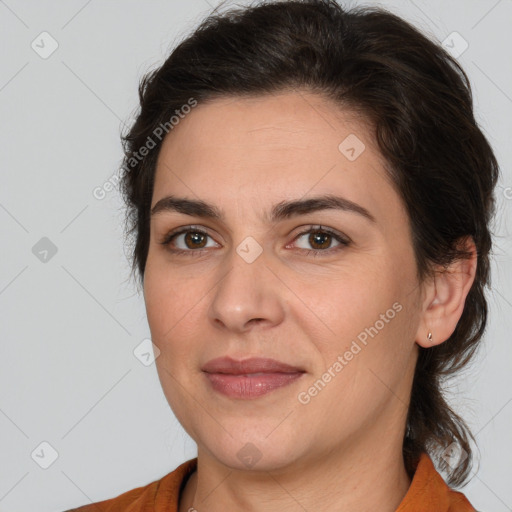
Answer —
249 378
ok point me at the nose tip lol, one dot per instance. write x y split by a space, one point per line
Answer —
247 296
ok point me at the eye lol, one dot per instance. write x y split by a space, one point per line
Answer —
320 239
193 240
188 240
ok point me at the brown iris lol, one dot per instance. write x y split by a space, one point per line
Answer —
316 237
194 238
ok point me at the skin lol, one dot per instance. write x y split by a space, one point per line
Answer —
343 449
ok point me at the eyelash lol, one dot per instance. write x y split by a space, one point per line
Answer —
344 242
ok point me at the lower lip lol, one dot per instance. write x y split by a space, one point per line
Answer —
250 386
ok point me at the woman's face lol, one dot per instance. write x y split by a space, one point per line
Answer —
261 283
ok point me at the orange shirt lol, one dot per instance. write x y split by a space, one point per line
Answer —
428 492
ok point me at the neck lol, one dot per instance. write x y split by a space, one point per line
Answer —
371 479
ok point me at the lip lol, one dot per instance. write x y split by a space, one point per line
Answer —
249 378
252 365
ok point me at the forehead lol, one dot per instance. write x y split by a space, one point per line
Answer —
279 146
291 123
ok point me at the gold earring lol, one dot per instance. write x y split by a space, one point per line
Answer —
429 337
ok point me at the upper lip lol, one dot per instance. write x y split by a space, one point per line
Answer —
251 365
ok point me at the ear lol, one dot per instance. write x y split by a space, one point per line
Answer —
444 298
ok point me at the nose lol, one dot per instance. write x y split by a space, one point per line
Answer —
247 294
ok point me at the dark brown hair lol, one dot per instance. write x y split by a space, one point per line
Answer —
419 103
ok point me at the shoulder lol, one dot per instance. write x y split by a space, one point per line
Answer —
429 491
165 491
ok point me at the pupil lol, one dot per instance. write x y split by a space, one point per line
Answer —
317 237
194 237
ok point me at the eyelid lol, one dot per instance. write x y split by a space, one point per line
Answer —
342 238
181 230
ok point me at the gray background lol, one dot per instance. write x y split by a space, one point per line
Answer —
70 324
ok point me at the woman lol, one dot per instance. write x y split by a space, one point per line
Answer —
310 196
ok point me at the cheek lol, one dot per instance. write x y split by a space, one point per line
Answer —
349 300
169 308
168 294
172 316
364 369
364 316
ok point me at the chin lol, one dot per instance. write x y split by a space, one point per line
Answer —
253 452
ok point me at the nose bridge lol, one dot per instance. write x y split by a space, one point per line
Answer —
247 291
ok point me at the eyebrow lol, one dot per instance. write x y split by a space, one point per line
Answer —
280 211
